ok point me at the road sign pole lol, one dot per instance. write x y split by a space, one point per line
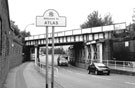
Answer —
46 56
52 81
52 19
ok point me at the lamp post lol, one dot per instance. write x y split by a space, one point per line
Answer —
26 28
28 25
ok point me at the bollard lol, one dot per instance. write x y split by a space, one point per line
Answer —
123 65
115 64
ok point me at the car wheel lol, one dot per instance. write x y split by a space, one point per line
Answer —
96 72
108 73
88 71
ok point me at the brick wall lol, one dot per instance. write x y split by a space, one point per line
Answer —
124 52
10 47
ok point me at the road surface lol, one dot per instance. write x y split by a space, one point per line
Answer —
72 77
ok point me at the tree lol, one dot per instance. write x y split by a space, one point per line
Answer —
131 27
107 20
94 19
25 34
17 30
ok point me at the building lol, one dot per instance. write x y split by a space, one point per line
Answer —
10 45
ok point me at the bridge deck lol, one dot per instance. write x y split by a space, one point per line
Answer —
77 35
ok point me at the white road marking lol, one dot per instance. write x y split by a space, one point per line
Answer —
56 69
63 69
130 83
80 74
69 71
101 77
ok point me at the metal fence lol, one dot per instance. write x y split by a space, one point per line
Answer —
122 65
42 68
114 64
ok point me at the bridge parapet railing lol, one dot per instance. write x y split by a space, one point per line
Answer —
69 32
60 34
77 31
42 36
86 30
114 27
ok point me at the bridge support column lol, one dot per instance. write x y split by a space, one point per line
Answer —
86 55
92 52
100 52
36 54
96 52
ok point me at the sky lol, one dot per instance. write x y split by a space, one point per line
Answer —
24 12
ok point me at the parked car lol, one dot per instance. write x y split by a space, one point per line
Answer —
98 68
62 60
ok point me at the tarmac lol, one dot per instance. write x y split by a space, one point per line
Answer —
28 76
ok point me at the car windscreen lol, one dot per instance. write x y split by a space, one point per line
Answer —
63 59
100 65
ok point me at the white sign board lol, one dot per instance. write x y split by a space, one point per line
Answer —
51 18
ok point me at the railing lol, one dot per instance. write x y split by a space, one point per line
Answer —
119 26
120 65
123 65
114 64
42 68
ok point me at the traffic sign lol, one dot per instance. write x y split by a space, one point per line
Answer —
51 18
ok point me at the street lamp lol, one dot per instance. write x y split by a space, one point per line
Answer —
27 26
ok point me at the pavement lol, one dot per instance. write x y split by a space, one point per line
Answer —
26 76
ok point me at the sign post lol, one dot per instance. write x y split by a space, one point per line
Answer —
52 19
52 81
46 56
